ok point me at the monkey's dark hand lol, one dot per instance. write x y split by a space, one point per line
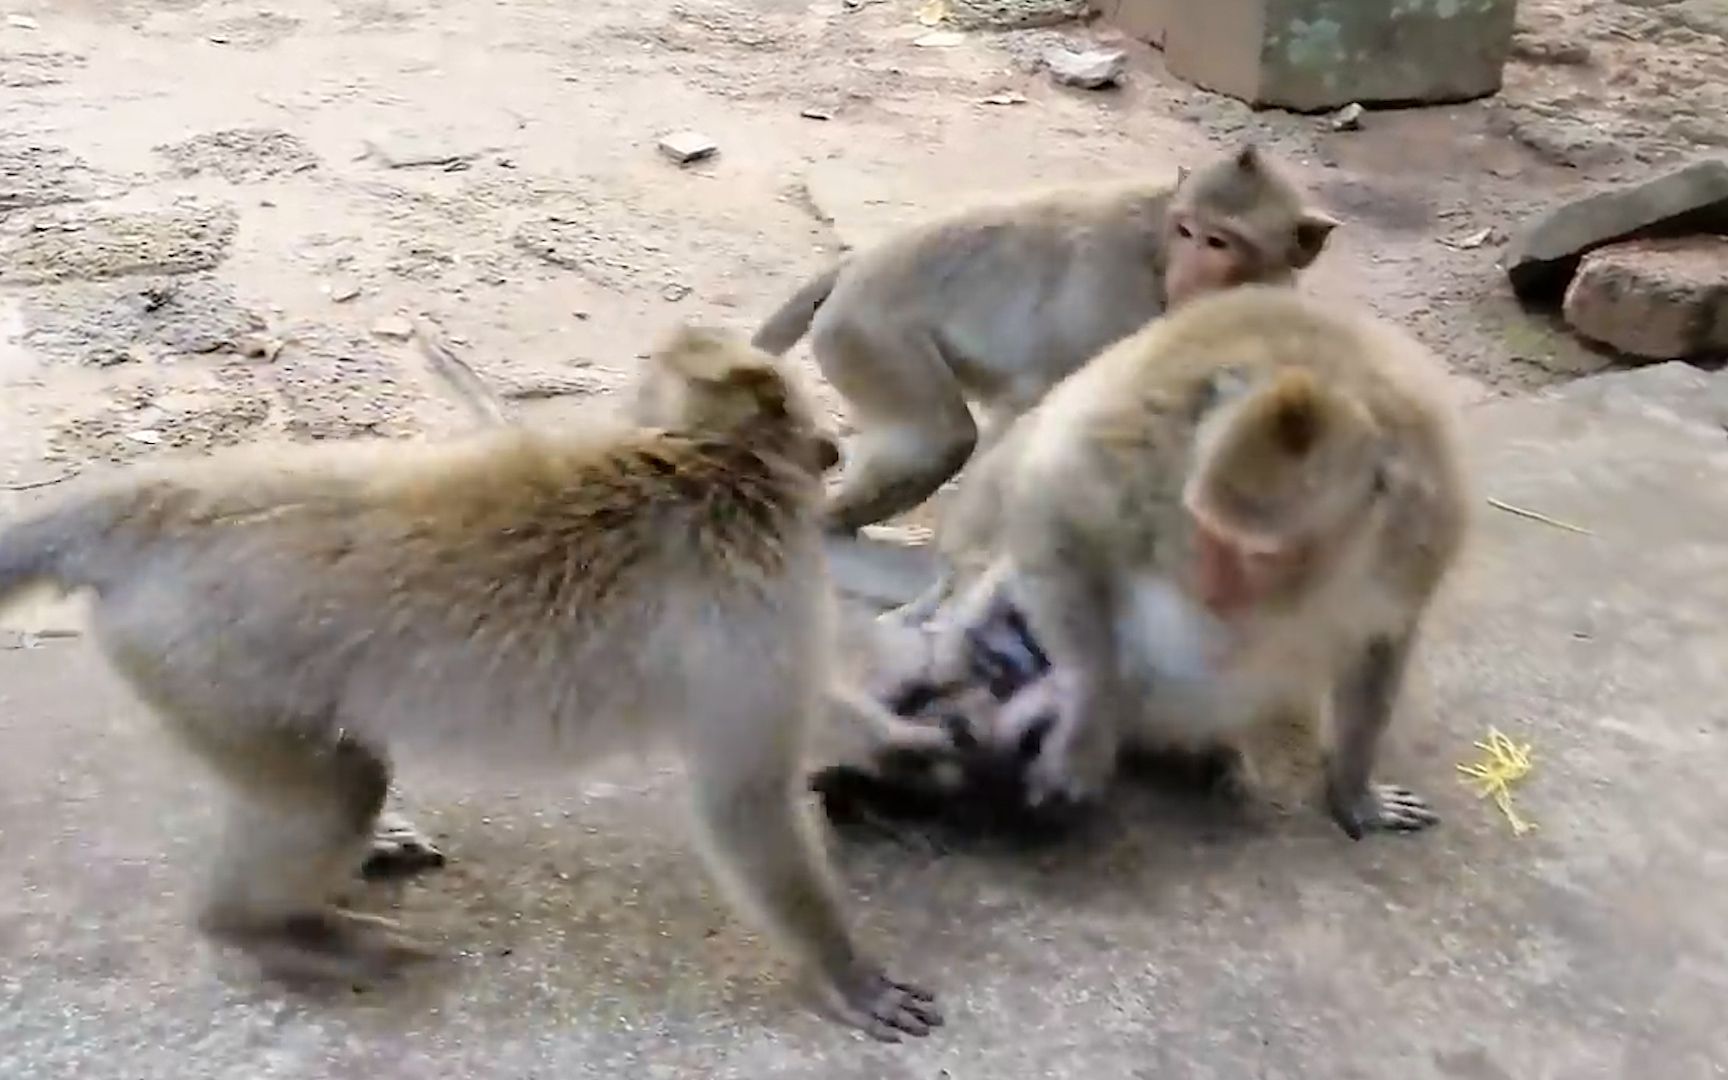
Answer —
883 1008
1380 807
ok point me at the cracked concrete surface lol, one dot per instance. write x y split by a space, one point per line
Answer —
1177 940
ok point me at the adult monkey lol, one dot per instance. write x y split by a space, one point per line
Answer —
995 305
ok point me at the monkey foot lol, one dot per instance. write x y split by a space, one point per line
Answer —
336 946
884 1009
1384 808
398 849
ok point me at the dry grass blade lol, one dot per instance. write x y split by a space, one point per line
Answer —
1543 518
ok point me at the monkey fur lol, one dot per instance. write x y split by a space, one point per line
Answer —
1224 533
996 304
295 614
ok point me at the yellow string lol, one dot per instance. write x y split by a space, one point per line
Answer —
1503 764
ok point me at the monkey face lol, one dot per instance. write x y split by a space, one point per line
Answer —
1204 255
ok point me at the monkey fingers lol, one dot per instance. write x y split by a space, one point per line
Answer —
883 1008
1383 808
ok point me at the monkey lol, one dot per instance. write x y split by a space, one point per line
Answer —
1224 531
298 615
994 305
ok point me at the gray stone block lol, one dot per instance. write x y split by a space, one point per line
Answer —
1312 55
1540 259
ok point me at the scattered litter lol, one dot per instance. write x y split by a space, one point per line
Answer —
933 13
261 347
1093 69
1534 516
939 39
394 327
147 436
1349 118
23 22
398 151
816 114
217 39
674 292
1005 98
1503 764
1474 240
685 147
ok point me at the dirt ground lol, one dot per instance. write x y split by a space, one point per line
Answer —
211 213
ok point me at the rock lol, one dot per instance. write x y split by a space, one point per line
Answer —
1092 69
1655 299
685 147
1320 55
1349 118
343 290
394 328
1541 257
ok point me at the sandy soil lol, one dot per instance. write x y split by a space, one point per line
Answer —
213 214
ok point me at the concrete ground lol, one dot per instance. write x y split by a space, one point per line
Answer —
1177 940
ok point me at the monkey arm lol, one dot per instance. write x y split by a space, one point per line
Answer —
1062 578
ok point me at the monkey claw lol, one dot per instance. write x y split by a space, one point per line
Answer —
1171 939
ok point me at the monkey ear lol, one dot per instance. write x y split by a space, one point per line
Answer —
1313 229
1181 175
1248 158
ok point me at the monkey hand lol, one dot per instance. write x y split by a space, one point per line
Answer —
886 1010
1379 807
1070 761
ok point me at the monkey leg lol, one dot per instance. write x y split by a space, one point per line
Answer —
763 847
1362 707
1277 761
399 849
913 428
303 811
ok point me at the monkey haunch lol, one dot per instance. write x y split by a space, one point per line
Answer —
996 304
1225 530
291 618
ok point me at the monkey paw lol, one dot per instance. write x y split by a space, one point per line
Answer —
883 1008
398 849
1383 808
333 945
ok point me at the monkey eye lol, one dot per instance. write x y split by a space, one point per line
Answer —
1184 231
1217 243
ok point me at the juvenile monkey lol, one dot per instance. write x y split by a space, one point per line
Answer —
997 304
1225 530
522 595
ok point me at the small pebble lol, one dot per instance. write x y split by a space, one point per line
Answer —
684 147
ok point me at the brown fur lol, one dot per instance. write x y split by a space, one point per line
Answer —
994 305
296 613
1302 448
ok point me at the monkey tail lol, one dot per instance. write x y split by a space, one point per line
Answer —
57 548
787 325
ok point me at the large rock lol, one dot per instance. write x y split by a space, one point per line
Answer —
1656 299
1541 258
1312 55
